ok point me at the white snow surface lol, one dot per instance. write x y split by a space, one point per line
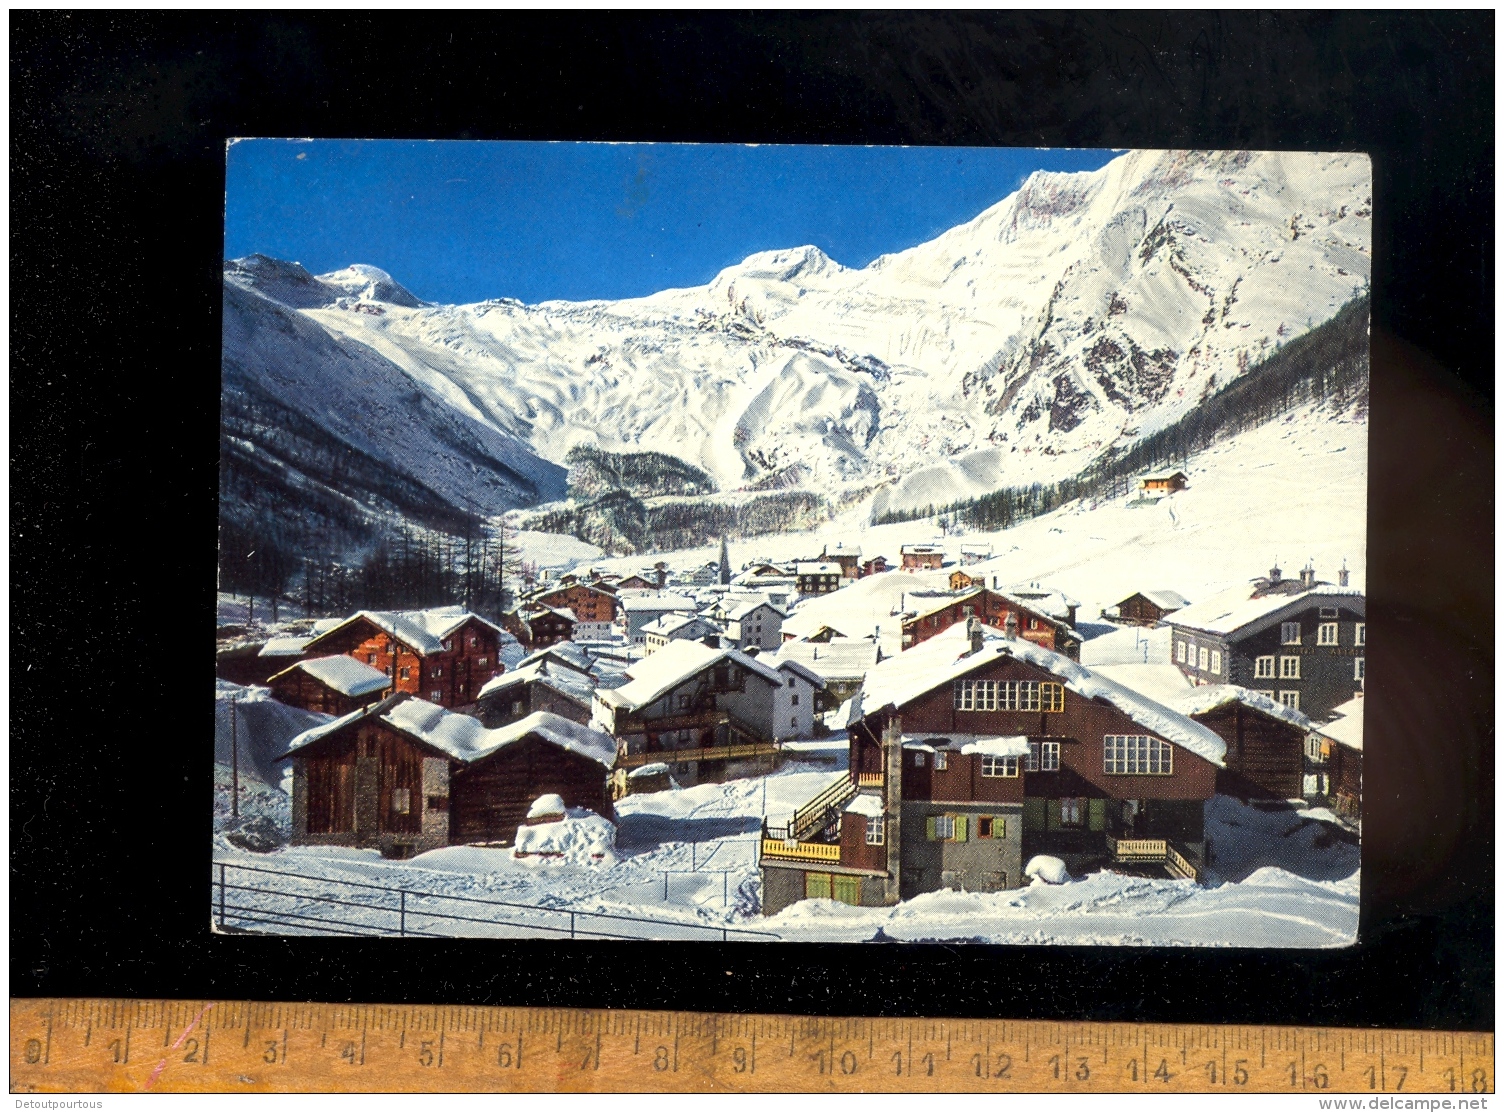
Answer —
581 838
1047 868
1209 697
867 804
550 803
423 630
656 673
997 747
1236 607
345 674
1346 724
946 656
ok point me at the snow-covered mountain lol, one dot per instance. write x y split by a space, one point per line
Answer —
1080 313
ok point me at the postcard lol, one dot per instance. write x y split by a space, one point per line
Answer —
792 543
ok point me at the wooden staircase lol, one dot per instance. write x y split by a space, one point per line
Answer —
823 811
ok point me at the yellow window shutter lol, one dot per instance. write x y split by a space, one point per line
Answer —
960 828
999 827
929 828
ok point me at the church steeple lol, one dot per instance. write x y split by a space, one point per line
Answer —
725 565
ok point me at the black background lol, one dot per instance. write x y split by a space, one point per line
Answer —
117 176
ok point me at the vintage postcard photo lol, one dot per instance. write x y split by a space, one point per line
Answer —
787 543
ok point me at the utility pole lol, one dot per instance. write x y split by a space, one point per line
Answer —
234 759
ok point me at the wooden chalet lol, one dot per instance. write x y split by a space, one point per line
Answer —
677 627
918 558
541 685
960 581
1266 740
334 685
536 625
1335 762
443 654
1298 641
405 776
817 577
934 615
711 714
1146 608
874 565
636 582
587 602
977 750
1163 484
849 560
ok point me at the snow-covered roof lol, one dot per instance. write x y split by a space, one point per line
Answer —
465 739
550 803
561 678
424 631
988 745
1052 601
900 680
283 647
1158 680
866 803
1163 475
675 622
837 659
1232 610
1164 598
324 625
1209 697
566 653
651 769
676 662
659 601
344 674
1346 724
737 609
817 568
800 670
921 550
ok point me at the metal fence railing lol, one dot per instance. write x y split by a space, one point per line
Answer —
257 898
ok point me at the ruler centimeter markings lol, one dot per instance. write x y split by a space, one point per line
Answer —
85 1045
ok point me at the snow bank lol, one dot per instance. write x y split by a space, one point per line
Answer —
581 838
1042 867
549 804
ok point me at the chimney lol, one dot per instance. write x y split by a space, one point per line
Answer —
1342 575
974 633
1274 575
1010 628
1308 576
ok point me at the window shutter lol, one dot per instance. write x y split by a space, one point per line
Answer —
960 828
929 828
1096 814
999 827
1033 812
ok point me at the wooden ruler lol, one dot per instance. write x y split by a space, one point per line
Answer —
89 1046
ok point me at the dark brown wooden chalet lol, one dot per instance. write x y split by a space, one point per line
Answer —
542 685
406 776
934 615
875 565
443 655
334 685
916 558
1266 740
587 602
1163 484
537 626
975 753
1336 766
1145 608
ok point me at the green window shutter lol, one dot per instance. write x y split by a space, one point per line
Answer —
999 829
929 828
1033 813
960 828
1096 814
1052 815
847 890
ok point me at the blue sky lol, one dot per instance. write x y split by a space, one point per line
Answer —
466 221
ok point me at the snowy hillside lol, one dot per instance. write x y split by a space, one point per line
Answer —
1081 312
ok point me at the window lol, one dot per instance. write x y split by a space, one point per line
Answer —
976 695
1202 661
1289 668
448 644
1216 662
1180 652
943 826
1289 633
1263 668
942 760
683 703
370 658
1136 753
482 661
1051 697
1043 757
1314 748
473 642
1072 811
1266 692
918 759
874 830
794 700
438 671
436 695
402 800
1328 612
992 827
403 673
1290 700
1360 633
438 803
517 706
1358 670
999 766
791 682
1326 633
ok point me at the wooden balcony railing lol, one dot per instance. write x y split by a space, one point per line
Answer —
1178 861
793 850
869 780
820 812
706 753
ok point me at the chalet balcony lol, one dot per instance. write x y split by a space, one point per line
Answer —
703 753
870 780
793 850
1177 861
